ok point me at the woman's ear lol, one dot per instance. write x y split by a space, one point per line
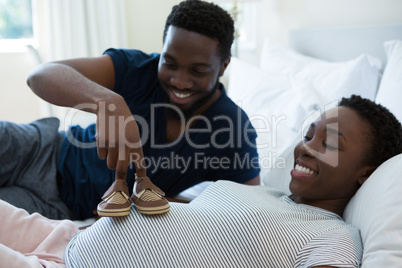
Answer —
224 66
366 174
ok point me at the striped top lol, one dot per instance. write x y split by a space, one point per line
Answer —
228 225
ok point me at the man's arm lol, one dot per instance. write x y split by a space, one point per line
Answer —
86 84
72 82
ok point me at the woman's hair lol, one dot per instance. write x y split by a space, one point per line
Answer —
385 140
204 18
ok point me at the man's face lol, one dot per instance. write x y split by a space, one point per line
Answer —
189 68
333 157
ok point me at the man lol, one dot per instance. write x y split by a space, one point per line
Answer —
190 131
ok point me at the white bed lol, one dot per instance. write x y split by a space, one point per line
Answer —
319 67
314 72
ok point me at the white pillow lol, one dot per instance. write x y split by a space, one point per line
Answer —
390 91
277 107
332 80
246 81
376 210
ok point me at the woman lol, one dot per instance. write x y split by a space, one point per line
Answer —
234 225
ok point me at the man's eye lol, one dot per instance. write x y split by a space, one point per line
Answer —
306 138
199 72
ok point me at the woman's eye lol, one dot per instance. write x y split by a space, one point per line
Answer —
170 65
332 148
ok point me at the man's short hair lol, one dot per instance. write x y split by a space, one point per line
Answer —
204 18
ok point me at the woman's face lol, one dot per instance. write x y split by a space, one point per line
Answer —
330 161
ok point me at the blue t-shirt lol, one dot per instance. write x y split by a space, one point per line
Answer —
220 145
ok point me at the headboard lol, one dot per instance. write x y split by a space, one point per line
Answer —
344 43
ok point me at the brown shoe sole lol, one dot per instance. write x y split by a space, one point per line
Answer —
113 212
153 210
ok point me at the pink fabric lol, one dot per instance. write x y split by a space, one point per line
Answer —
32 240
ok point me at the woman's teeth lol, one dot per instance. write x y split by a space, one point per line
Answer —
181 95
305 170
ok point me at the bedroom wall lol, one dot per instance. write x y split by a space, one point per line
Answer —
146 21
274 18
17 102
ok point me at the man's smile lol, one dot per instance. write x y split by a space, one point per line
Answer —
181 95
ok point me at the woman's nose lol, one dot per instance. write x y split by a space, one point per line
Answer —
310 148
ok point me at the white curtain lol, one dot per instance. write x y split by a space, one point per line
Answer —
80 28
77 28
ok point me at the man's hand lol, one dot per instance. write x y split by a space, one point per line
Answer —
118 138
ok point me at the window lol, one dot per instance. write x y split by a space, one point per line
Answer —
16 25
16 19
245 24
